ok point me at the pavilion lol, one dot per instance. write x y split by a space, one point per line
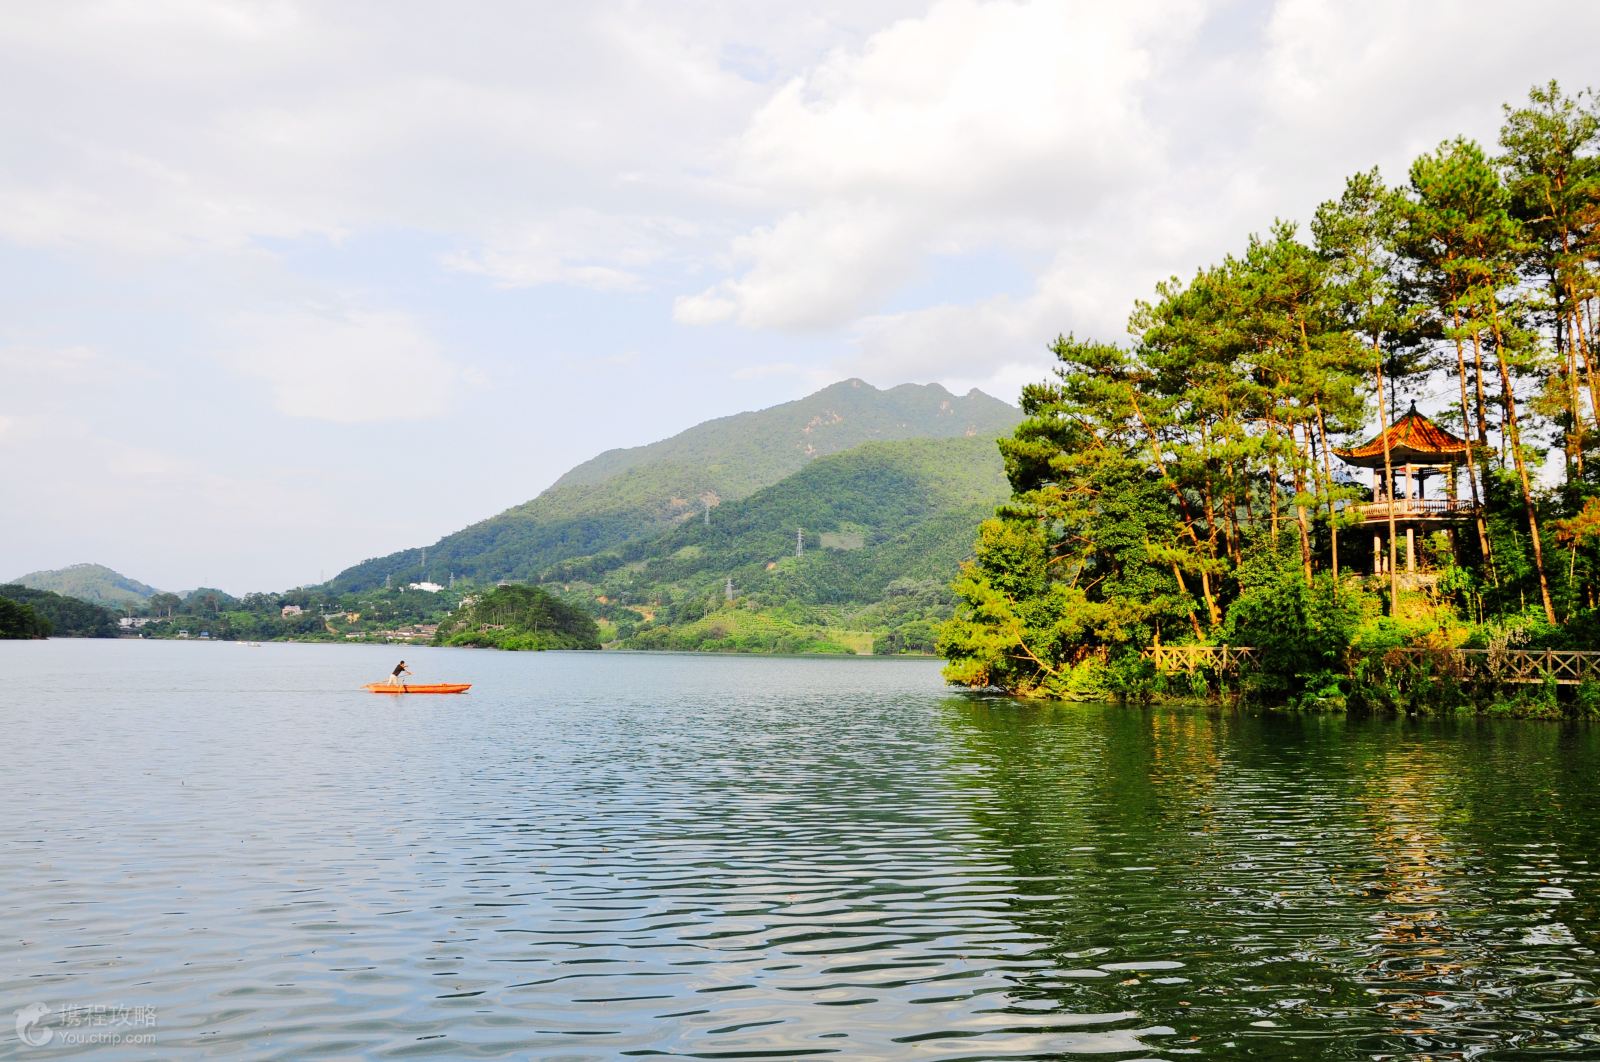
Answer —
1418 450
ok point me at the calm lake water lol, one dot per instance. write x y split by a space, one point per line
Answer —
234 851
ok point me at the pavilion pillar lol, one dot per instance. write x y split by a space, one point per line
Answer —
1411 549
1377 554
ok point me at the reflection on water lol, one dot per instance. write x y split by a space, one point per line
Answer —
599 856
1321 887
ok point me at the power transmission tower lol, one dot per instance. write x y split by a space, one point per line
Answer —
799 542
727 590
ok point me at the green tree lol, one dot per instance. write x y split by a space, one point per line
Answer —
164 604
21 621
1553 181
1354 235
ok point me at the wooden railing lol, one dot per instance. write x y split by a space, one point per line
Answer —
1565 667
1413 508
1223 659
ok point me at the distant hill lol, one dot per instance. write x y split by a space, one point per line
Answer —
90 582
880 531
628 494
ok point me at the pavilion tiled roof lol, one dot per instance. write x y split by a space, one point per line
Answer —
1413 440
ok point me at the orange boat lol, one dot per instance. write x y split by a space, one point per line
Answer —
435 687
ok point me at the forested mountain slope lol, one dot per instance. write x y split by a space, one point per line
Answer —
90 582
626 494
864 542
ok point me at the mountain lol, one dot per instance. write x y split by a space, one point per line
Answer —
90 582
626 494
854 548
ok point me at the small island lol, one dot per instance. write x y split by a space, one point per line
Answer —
1249 499
518 617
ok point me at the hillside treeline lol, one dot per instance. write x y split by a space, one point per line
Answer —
30 613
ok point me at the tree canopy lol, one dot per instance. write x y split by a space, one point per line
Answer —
1182 486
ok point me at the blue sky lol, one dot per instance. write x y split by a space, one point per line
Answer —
287 285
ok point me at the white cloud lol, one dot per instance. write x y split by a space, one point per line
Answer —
976 123
817 268
708 307
520 133
347 366
574 247
1192 137
925 191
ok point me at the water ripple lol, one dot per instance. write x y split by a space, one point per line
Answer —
615 856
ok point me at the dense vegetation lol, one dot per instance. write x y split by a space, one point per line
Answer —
878 529
65 617
21 621
94 583
625 495
304 614
519 617
1182 487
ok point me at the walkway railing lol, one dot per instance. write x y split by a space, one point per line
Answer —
1566 667
1223 659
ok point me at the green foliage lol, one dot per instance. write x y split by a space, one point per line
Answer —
519 617
1301 631
21 621
1064 580
899 515
65 617
1183 487
639 493
94 583
735 630
207 601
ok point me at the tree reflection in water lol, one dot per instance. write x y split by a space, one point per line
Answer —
1296 887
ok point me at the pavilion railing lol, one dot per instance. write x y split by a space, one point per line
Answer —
1411 508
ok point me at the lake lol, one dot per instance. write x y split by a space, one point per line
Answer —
213 849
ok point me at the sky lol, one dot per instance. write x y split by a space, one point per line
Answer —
284 285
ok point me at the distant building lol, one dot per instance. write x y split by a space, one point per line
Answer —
128 623
432 588
292 610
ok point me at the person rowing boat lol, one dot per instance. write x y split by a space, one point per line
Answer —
399 669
